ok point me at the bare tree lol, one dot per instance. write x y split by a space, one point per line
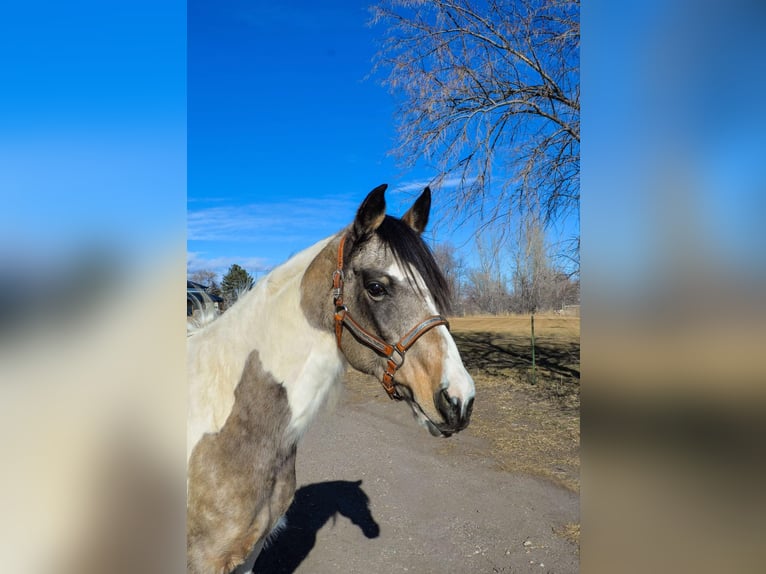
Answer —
536 282
204 277
487 291
490 90
453 268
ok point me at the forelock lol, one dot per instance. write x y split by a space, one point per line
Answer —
413 255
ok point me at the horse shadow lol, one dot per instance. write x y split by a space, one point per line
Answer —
314 505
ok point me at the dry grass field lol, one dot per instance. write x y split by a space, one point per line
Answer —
532 423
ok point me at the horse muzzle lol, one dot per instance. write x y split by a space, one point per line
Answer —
455 412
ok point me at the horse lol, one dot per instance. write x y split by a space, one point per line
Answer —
261 371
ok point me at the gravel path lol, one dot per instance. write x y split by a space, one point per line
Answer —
378 494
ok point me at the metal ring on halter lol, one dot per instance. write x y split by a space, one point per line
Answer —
401 357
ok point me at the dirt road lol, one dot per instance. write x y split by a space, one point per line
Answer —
378 494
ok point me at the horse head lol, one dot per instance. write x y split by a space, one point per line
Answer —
390 299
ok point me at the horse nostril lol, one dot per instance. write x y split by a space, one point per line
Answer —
451 408
456 414
468 410
446 406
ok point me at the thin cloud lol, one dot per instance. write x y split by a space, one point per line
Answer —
254 222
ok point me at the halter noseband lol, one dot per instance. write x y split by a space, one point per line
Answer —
393 353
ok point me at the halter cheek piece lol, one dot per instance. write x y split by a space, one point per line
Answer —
393 353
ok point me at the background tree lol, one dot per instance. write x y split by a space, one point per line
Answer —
538 285
490 90
208 279
532 273
486 291
234 283
453 268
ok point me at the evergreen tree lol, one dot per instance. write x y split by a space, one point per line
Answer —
234 283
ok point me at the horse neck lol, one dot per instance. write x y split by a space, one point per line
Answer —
301 356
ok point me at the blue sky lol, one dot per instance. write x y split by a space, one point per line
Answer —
282 125
286 133
270 146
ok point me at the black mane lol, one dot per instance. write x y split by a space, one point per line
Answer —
411 252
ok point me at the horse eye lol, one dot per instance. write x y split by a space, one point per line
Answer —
376 290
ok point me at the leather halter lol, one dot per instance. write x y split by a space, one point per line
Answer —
393 353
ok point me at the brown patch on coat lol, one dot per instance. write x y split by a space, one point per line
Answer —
422 372
241 479
316 287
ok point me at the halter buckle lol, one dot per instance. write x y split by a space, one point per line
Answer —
337 282
340 310
388 385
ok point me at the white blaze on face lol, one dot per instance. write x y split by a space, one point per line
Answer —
455 377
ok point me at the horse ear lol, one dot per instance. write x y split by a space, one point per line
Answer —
417 215
371 213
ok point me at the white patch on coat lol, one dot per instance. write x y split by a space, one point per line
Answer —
268 318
